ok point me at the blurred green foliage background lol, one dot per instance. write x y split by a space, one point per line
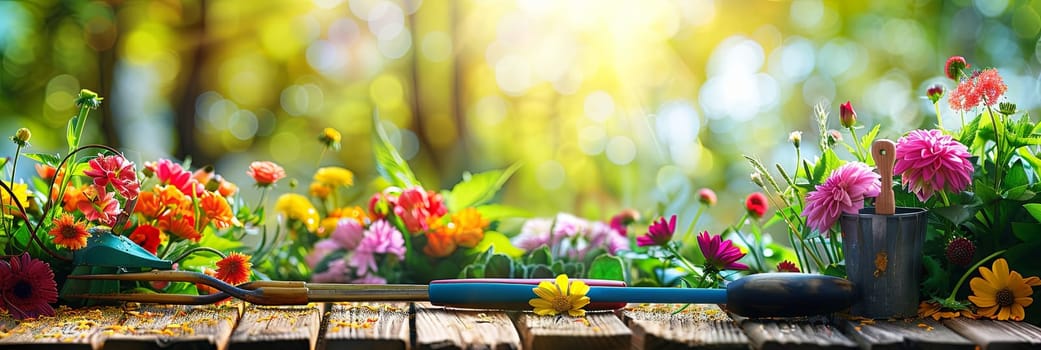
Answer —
608 104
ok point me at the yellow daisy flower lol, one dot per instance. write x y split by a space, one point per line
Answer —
562 296
334 176
1002 294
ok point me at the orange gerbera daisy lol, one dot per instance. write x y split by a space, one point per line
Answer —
1002 294
234 269
217 210
69 233
937 312
469 225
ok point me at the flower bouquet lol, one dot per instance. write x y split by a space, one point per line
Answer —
94 211
977 181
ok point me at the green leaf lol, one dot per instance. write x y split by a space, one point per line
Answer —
495 212
538 271
472 271
389 162
499 266
45 158
71 136
607 267
540 256
478 188
501 243
867 140
1027 231
576 269
1030 158
957 214
936 278
1034 209
836 270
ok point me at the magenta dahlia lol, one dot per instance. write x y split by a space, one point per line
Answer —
720 254
929 161
843 192
659 233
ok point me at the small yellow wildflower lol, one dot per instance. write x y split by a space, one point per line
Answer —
21 194
296 207
334 176
330 138
563 296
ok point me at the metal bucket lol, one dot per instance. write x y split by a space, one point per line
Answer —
884 260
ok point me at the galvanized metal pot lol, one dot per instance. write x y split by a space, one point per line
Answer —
884 260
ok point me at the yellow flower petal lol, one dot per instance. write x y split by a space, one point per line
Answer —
1025 301
576 312
579 288
981 287
562 284
540 303
1001 272
545 293
987 311
1032 281
1017 312
988 275
578 302
1004 313
545 312
983 301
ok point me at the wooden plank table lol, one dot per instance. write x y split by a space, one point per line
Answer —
422 326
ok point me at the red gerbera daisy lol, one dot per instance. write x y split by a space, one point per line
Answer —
69 233
148 237
234 269
27 287
787 266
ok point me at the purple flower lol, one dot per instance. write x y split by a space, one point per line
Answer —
929 161
369 279
843 192
348 233
720 254
380 238
659 233
320 251
336 273
534 234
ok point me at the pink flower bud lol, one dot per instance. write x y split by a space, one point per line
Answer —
955 65
707 197
934 93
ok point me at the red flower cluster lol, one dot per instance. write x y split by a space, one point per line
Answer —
984 87
756 204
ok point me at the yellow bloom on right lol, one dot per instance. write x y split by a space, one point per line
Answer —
1002 294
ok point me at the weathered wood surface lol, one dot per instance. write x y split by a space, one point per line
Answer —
172 327
277 328
901 334
367 326
810 333
69 329
597 330
440 328
997 335
673 326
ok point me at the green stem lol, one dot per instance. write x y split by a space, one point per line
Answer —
199 249
81 122
676 255
14 169
861 154
970 271
690 229
998 146
939 119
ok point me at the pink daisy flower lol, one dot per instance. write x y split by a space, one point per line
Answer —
174 174
117 171
720 254
659 233
380 238
27 287
843 192
929 161
348 233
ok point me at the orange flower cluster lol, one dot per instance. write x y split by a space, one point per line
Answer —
465 229
176 213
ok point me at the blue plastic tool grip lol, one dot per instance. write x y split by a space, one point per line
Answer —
513 296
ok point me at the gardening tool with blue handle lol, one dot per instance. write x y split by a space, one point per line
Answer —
760 295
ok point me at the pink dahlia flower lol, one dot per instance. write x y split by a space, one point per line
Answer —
100 206
659 233
843 192
117 171
174 174
929 161
720 254
380 238
415 206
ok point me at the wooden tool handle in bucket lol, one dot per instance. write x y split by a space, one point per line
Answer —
884 153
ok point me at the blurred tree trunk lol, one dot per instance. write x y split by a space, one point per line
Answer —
187 145
458 88
106 78
416 102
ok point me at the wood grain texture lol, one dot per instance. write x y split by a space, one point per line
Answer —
173 327
597 330
440 328
808 333
655 326
997 335
901 334
383 326
281 328
68 329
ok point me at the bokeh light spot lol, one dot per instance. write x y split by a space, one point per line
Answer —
621 150
550 175
437 46
599 106
386 91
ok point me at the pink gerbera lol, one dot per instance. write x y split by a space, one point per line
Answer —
415 206
720 254
117 171
27 287
380 238
929 161
843 192
659 233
